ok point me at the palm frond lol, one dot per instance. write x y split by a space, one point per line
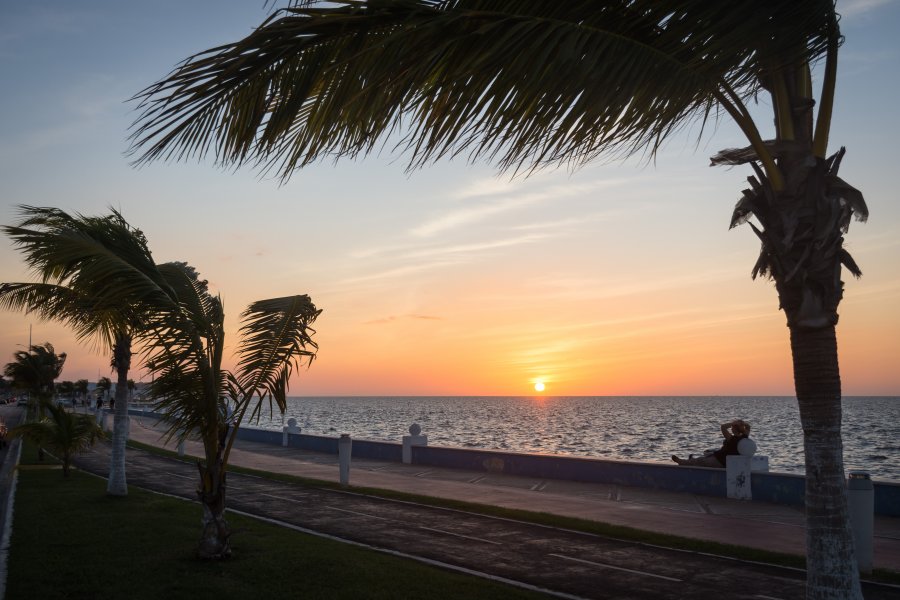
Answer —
61 432
276 336
35 369
520 83
88 316
183 349
96 273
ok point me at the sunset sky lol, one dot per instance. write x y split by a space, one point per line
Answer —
616 279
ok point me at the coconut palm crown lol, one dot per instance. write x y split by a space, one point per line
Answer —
526 84
203 400
61 432
34 372
97 276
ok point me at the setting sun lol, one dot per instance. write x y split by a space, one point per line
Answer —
539 386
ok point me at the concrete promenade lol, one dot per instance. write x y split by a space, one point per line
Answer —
744 523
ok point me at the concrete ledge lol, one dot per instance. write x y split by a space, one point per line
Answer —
777 488
372 449
710 482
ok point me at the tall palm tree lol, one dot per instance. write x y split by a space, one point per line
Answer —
67 389
530 83
62 433
34 371
97 275
202 399
81 388
104 384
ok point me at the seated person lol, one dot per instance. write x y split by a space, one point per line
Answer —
733 432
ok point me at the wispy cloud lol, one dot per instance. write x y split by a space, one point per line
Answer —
79 113
486 187
492 199
578 288
473 214
477 247
437 256
855 8
395 318
403 271
871 243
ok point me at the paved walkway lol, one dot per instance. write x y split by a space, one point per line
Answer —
752 524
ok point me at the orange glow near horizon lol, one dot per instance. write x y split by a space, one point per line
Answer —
708 352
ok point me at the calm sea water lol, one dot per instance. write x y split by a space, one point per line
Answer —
625 428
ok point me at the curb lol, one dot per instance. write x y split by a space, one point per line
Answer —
8 478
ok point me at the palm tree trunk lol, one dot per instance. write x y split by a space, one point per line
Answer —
214 542
829 540
117 485
214 539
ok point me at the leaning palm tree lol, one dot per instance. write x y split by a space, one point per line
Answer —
202 399
62 433
96 274
531 83
67 390
34 372
81 388
104 384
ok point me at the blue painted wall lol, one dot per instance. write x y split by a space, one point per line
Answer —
371 449
887 499
710 482
778 488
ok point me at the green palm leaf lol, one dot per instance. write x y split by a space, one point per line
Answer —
61 432
35 369
521 83
96 273
276 337
183 348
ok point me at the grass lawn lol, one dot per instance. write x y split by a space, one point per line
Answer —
70 540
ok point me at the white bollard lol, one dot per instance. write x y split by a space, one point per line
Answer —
413 439
181 447
291 427
345 446
738 469
861 501
737 477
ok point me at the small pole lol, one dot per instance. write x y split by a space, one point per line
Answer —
345 445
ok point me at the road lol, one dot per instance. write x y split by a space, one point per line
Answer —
561 562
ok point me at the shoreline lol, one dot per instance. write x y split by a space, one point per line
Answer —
772 487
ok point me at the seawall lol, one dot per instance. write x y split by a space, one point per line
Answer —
778 488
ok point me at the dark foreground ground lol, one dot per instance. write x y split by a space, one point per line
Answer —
564 563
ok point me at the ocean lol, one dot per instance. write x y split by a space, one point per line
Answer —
622 428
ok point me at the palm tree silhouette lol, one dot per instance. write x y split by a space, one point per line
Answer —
531 84
97 275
